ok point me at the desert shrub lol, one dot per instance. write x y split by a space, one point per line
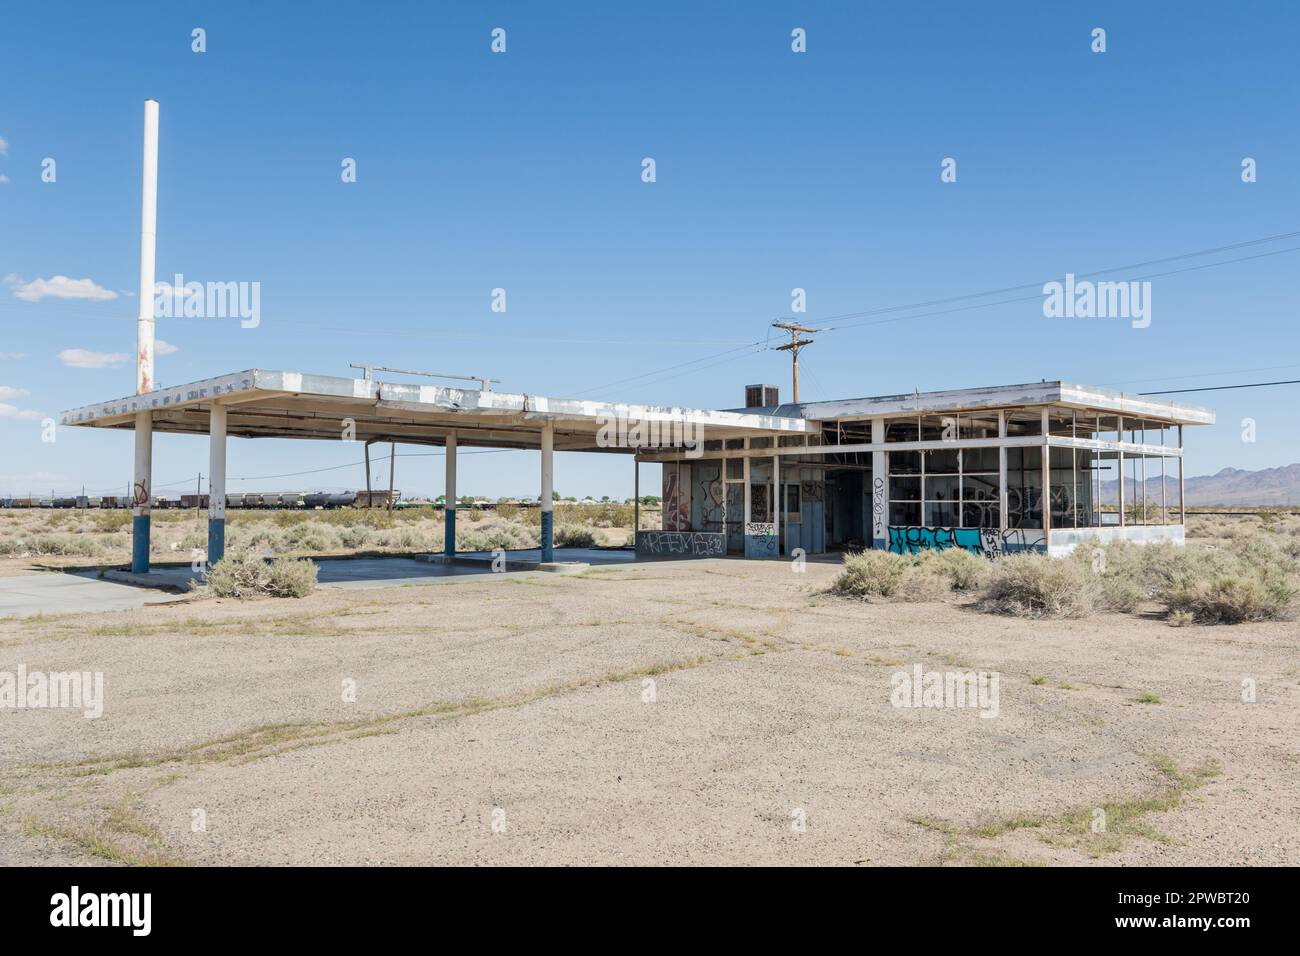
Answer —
1234 597
870 574
507 510
62 545
505 536
958 568
311 536
1036 586
354 536
573 536
473 514
290 577
194 538
254 536
923 582
244 574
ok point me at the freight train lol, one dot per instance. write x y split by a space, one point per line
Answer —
245 500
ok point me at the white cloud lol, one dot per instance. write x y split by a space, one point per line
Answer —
58 287
13 355
4 146
81 358
3 178
8 391
26 414
164 348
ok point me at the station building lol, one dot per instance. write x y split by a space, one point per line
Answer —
1045 467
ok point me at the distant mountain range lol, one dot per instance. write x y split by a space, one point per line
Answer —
1231 486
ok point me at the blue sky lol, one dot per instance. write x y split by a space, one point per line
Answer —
522 170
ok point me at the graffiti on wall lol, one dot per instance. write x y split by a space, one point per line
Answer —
878 508
761 539
913 539
712 507
688 544
677 499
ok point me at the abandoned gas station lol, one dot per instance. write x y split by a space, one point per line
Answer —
1043 467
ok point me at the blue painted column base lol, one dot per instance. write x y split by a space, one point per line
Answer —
216 540
140 544
449 533
548 538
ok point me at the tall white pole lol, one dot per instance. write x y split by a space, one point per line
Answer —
144 380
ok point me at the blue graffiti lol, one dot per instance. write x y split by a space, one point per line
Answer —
913 540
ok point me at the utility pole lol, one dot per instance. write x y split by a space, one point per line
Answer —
198 497
793 347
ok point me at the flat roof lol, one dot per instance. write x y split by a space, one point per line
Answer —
1088 397
263 403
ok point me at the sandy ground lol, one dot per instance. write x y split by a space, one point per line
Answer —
721 712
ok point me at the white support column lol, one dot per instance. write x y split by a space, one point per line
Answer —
216 485
1182 488
449 498
141 492
548 490
880 488
1119 434
778 515
1047 478
744 518
1002 472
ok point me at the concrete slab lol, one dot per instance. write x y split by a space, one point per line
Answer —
57 593
112 589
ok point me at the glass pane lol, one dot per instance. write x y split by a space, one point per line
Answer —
941 487
905 513
904 462
942 461
941 514
1025 489
1027 422
905 489
902 429
979 459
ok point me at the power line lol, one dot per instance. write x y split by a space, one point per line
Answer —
1097 272
1222 388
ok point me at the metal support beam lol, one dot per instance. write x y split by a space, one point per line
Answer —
880 488
778 514
548 492
636 498
142 492
217 485
1002 472
449 499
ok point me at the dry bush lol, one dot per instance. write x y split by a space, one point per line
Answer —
1036 586
869 574
574 536
245 575
505 536
959 568
311 536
